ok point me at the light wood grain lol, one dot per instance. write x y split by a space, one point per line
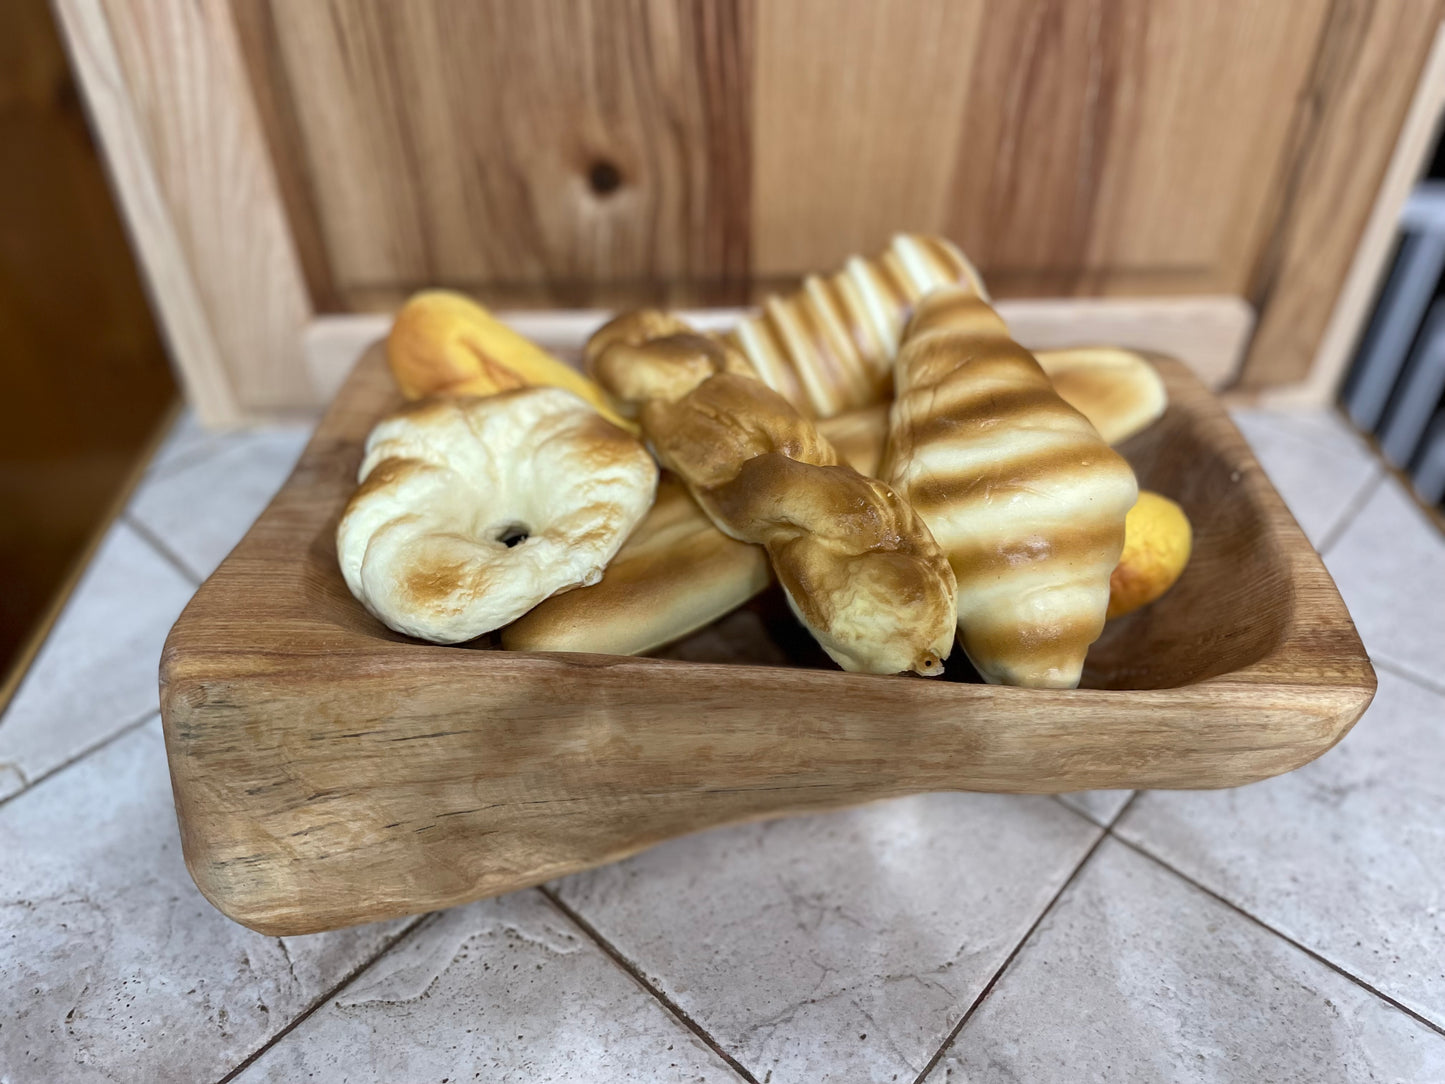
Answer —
1371 260
1350 114
453 142
1103 136
857 110
182 65
174 292
328 771
1206 333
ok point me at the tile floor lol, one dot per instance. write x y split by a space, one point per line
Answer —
1291 930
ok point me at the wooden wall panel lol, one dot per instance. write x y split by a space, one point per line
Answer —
550 142
1127 138
1358 93
183 114
858 117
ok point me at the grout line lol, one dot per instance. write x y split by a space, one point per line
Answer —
1311 953
1353 507
1408 675
993 980
627 966
1089 817
326 996
165 552
31 784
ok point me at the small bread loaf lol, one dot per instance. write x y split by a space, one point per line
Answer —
1023 494
1117 390
859 568
473 510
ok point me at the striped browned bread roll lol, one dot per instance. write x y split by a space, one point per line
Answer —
828 346
1025 497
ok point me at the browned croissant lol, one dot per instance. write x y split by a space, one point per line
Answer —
857 565
1021 491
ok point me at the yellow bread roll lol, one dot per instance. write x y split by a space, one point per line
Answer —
828 347
1157 542
443 343
858 567
1025 497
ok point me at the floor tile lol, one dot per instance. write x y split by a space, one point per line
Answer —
1389 565
1138 976
187 442
201 510
1315 459
1345 855
112 965
1100 806
97 671
839 947
503 990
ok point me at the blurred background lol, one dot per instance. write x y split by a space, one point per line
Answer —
283 169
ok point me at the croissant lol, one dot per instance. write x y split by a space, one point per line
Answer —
829 346
859 568
1023 494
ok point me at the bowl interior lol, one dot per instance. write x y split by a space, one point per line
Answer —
1192 455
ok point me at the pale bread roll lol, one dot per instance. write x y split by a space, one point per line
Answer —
447 483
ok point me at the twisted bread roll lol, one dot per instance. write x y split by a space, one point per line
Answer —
1020 490
676 572
860 570
828 347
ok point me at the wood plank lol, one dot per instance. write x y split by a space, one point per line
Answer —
181 62
1207 333
87 386
329 772
549 142
857 112
174 292
1351 310
1365 76
1110 136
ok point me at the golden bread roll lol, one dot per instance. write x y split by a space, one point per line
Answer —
1157 543
444 343
676 572
1117 390
471 511
828 346
859 569
1025 497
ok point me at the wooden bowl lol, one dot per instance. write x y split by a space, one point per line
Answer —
328 771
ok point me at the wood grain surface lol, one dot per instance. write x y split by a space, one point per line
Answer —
281 158
328 771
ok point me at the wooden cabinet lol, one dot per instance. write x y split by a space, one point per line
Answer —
303 157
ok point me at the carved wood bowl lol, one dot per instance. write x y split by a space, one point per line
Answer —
328 771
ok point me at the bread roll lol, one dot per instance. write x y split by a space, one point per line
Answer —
1025 497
